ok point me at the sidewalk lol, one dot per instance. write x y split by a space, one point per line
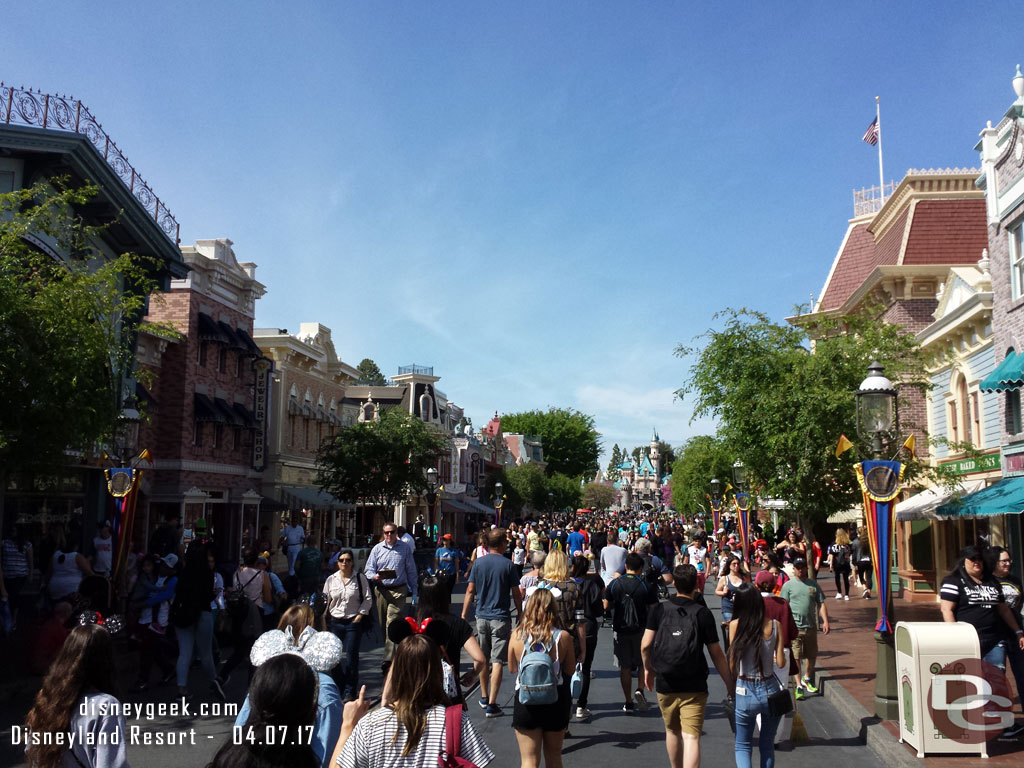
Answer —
847 664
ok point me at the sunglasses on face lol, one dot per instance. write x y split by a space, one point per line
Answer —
344 559
390 533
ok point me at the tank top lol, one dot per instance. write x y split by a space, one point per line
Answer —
66 577
733 589
749 667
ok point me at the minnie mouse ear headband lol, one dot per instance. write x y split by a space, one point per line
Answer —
399 629
555 591
321 650
113 623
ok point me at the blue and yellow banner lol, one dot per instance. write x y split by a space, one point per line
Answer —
742 501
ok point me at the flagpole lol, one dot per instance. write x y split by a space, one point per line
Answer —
878 122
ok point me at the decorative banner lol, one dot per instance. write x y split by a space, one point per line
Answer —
716 515
880 483
123 484
742 501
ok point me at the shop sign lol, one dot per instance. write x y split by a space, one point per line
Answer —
260 412
985 463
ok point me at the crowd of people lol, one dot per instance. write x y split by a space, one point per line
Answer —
536 596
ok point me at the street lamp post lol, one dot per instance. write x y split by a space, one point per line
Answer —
431 499
551 503
878 422
499 501
716 505
742 501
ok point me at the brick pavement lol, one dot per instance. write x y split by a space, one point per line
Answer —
847 655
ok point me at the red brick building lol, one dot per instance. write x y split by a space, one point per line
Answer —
203 429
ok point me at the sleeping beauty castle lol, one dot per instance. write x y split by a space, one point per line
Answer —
641 486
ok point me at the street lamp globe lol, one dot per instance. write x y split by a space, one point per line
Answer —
739 474
432 478
716 488
497 490
876 404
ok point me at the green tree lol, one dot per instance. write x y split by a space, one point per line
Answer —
370 374
570 440
700 459
530 485
614 473
565 491
68 326
783 408
379 462
598 495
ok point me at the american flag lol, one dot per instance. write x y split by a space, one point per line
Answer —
871 134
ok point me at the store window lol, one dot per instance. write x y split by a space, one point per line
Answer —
1016 235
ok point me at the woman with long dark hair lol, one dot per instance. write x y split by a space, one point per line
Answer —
282 698
410 729
80 685
730 582
192 617
755 650
591 591
435 602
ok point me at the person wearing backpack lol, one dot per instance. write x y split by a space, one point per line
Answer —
628 597
839 562
655 573
591 589
539 655
677 632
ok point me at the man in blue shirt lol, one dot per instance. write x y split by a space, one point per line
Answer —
394 558
493 579
577 542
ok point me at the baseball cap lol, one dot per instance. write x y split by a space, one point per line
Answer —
171 560
447 537
764 579
800 563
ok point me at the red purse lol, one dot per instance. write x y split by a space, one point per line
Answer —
450 757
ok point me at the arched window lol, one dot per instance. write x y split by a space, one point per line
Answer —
368 412
425 407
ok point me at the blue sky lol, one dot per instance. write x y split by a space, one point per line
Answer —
538 199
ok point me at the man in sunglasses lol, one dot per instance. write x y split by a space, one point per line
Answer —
392 568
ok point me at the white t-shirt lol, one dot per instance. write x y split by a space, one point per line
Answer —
294 535
104 554
370 745
519 555
697 555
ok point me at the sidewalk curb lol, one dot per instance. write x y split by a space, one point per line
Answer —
885 746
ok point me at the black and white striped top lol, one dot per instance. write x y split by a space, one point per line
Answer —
371 745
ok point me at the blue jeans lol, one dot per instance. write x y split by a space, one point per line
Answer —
347 674
200 637
997 655
748 706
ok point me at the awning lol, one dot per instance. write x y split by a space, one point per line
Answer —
243 413
143 396
204 409
924 505
228 415
209 330
248 343
851 515
312 498
1003 498
229 333
1009 374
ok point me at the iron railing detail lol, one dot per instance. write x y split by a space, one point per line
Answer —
23 106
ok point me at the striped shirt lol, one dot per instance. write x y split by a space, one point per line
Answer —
371 743
15 563
397 558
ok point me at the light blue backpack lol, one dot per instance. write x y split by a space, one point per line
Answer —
538 682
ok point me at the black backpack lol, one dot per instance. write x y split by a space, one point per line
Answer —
652 575
631 602
677 645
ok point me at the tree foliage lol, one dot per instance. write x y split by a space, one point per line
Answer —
68 324
614 473
379 462
598 495
570 440
701 459
370 374
527 487
783 408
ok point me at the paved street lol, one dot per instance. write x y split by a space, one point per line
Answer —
610 738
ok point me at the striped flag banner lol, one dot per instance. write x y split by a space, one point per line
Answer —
880 485
871 134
